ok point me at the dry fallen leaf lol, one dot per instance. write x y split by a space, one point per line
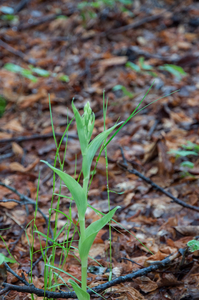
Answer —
18 150
146 284
15 166
8 205
188 230
13 125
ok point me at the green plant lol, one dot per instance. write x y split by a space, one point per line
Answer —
133 66
142 67
4 258
8 15
85 126
32 70
119 87
186 151
89 9
193 245
177 71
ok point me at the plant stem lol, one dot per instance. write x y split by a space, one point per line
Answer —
83 262
85 184
84 273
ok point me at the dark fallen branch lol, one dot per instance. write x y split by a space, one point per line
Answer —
124 166
46 19
35 137
139 52
16 52
11 49
24 201
38 22
21 5
64 295
142 21
3 291
179 60
22 279
134 25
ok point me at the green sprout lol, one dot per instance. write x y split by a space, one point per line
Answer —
186 151
28 73
142 67
177 71
193 245
119 87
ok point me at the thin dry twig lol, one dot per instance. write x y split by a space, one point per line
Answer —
21 5
124 166
36 137
46 19
64 295
16 52
22 279
136 24
25 200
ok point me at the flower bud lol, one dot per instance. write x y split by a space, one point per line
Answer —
88 119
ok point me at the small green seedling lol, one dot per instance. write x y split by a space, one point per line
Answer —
4 258
85 126
88 9
122 88
29 73
142 67
19 70
193 245
133 66
187 150
177 71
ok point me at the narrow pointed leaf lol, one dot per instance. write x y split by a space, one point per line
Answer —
91 232
92 149
80 129
75 189
81 294
6 259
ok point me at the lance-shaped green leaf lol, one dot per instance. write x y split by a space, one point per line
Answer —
81 294
92 149
75 189
91 232
6 259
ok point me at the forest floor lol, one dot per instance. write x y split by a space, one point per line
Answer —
77 50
